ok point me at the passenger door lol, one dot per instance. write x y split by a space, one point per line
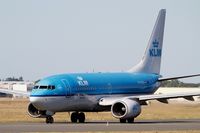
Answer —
67 87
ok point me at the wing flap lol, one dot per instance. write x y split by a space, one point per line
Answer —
163 101
168 96
189 98
108 101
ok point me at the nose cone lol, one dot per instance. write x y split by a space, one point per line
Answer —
38 102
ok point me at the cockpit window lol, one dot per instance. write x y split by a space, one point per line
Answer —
43 87
35 87
50 87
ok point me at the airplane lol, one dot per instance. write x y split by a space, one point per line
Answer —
122 93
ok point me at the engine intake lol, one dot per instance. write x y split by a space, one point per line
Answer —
35 113
126 109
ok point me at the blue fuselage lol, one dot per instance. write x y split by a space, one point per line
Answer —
96 84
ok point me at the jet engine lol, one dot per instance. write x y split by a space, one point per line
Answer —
125 109
34 112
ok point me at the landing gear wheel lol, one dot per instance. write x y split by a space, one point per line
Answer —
81 117
49 119
77 117
74 117
122 120
130 120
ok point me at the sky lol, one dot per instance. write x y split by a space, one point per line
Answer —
40 38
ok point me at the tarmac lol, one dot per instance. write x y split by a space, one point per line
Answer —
139 125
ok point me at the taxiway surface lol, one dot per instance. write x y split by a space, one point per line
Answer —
142 125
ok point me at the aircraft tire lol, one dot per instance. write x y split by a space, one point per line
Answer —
74 117
130 120
81 117
122 120
49 120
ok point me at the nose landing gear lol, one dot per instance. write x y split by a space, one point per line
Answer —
77 117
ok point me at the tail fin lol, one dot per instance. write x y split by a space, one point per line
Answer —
151 60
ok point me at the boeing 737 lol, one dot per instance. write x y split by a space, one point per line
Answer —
122 93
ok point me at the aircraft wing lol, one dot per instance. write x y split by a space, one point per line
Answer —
20 93
179 77
169 96
108 101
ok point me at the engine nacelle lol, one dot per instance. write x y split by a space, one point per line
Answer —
34 112
125 109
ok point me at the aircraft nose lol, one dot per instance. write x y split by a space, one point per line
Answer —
37 102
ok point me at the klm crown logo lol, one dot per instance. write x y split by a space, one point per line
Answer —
155 51
155 43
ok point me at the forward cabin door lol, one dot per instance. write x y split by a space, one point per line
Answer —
67 87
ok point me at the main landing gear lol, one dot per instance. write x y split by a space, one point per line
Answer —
49 120
130 120
77 117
